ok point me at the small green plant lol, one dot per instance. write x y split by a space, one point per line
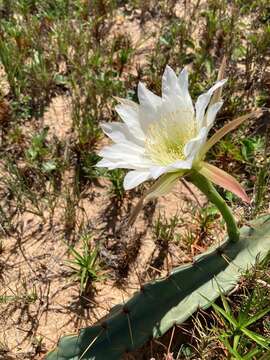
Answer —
85 264
164 228
40 153
237 336
208 215
116 178
227 150
26 296
88 169
38 149
262 178
250 147
18 185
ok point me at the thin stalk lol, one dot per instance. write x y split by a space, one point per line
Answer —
211 193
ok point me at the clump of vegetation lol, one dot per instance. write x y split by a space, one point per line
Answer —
85 264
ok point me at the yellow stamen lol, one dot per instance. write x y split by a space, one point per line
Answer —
167 137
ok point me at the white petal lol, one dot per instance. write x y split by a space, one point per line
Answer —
173 111
147 98
156 171
181 165
129 113
120 164
135 178
105 163
175 92
127 156
170 85
211 114
120 133
122 150
127 163
148 116
183 81
146 112
203 101
193 147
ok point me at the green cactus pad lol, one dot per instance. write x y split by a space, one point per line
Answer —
161 304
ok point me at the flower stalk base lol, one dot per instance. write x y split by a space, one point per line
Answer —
211 193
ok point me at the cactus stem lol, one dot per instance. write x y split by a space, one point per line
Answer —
147 293
208 189
175 283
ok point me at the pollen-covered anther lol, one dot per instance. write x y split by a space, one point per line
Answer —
166 139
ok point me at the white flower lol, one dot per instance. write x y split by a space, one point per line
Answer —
166 135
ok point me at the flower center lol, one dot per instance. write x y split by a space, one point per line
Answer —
167 137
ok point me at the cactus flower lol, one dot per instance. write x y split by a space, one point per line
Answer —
166 137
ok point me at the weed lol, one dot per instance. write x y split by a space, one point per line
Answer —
262 177
164 228
70 213
37 149
26 297
18 184
116 178
85 265
237 336
208 216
